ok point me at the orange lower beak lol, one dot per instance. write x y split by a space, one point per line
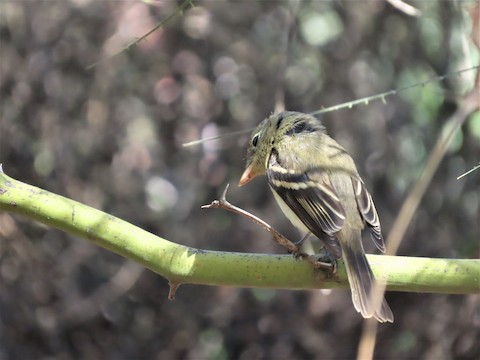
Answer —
248 175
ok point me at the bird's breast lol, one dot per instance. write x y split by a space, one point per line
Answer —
294 219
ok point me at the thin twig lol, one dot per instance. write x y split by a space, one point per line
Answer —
277 237
230 134
351 104
382 96
178 10
405 8
469 171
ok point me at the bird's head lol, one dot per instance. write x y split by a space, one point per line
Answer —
269 134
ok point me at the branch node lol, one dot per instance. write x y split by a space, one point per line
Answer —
224 194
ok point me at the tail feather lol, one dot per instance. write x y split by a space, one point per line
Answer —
361 281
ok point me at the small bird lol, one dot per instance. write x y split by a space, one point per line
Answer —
317 186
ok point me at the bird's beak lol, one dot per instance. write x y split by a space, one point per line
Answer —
248 175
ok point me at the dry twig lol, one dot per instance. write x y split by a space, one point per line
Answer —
277 237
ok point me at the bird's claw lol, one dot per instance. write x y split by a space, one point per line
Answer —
327 261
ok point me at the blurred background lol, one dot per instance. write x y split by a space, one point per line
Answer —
111 137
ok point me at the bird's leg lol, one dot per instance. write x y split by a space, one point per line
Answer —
323 260
300 242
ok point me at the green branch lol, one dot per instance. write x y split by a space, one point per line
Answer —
181 264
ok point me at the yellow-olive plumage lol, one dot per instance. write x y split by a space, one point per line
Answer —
317 186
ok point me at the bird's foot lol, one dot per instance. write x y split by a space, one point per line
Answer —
327 261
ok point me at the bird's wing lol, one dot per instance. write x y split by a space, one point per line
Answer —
314 201
368 211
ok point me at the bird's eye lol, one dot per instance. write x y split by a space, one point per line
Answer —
255 140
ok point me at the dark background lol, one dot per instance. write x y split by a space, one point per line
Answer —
111 138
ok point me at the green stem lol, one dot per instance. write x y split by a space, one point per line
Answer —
181 264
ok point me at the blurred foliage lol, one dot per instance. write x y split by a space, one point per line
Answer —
111 137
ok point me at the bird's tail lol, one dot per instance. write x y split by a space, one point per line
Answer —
361 281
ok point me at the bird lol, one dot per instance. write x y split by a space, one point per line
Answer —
318 188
